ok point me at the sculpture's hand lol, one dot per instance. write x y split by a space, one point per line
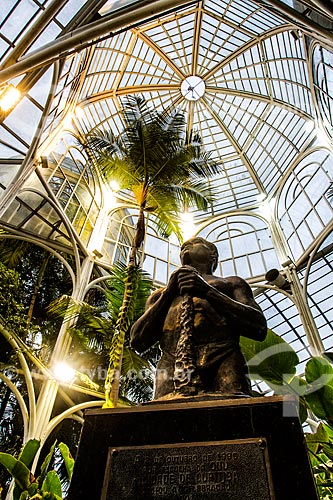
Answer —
191 282
172 285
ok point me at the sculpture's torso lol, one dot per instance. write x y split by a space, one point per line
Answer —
209 325
216 346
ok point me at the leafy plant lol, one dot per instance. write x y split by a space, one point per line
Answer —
274 361
320 447
47 484
94 330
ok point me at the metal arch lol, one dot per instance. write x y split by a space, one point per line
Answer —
41 244
14 342
231 213
74 237
315 89
248 95
278 195
292 167
68 413
86 12
36 29
292 15
142 35
21 402
81 36
262 98
319 240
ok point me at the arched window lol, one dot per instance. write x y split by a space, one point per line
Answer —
303 209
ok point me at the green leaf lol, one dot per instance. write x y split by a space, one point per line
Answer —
133 362
328 450
303 410
272 360
328 429
18 470
46 495
25 495
319 371
29 451
46 463
319 395
17 492
315 440
68 459
321 403
52 484
33 488
327 484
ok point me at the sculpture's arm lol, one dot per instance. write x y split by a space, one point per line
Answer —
148 329
239 308
243 310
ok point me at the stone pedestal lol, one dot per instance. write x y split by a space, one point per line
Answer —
243 449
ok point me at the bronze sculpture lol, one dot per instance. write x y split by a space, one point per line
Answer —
198 319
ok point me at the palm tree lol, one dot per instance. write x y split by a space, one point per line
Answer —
166 170
95 321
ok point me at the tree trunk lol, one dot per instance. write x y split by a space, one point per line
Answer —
125 315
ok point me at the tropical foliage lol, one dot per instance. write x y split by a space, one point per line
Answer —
47 483
93 335
23 316
275 362
166 170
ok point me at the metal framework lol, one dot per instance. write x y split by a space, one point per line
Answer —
254 77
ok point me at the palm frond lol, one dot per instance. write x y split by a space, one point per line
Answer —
137 377
166 171
166 218
68 309
103 140
12 251
111 158
135 108
173 121
200 163
133 362
174 197
116 286
89 340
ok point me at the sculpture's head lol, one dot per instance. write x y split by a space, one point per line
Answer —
201 250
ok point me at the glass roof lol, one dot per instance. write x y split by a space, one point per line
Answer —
254 78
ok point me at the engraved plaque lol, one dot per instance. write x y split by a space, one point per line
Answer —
232 470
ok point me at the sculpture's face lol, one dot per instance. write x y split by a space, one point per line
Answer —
195 252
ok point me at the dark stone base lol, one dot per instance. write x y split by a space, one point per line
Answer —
235 449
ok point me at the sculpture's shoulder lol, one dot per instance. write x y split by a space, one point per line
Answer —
230 284
154 296
236 281
241 290
228 281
